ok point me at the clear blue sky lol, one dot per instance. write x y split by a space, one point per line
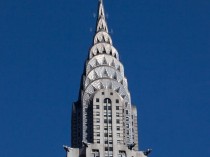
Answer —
163 44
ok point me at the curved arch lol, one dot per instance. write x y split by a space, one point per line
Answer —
98 73
101 48
106 84
108 101
102 35
111 61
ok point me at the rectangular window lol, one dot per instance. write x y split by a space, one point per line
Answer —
111 93
126 111
117 121
117 107
95 152
97 107
117 114
118 128
98 141
102 93
97 113
97 120
118 134
117 101
109 148
97 99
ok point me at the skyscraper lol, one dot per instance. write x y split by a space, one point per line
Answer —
104 122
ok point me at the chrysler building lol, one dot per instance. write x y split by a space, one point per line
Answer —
104 121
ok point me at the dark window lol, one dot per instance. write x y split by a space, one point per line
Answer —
111 93
109 148
117 100
105 135
117 107
109 108
117 121
97 99
122 152
107 100
97 106
105 120
102 93
126 111
95 150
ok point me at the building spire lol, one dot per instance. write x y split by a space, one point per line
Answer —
101 23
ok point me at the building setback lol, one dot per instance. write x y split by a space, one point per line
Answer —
104 122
